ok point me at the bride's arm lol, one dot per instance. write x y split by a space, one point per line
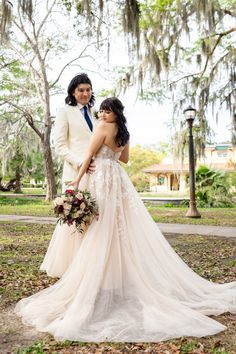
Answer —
124 157
96 142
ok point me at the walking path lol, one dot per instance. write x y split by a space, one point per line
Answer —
187 229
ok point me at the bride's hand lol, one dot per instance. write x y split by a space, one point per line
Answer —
74 184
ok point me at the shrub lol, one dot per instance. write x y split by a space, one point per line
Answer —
140 182
212 188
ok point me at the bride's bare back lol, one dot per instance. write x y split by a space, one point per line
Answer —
104 134
109 140
111 131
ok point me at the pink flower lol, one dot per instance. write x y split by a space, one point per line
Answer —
82 206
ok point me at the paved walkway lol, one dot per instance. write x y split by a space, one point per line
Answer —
221 231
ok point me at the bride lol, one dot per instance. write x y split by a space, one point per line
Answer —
125 282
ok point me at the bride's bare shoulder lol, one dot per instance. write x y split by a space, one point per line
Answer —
104 125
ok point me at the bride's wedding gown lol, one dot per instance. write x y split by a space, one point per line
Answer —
126 283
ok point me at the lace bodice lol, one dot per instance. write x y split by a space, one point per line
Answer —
106 152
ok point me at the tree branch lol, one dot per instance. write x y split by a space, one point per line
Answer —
183 78
217 63
8 64
220 36
35 74
21 28
44 19
73 60
27 116
201 73
227 96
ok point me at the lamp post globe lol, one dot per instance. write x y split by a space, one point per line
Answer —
190 113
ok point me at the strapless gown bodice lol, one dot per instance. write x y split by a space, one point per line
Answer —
106 152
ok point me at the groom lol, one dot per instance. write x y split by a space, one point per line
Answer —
73 128
74 125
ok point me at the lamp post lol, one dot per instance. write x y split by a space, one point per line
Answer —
192 212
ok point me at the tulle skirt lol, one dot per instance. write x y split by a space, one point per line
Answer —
122 281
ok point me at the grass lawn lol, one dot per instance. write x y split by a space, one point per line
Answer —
170 194
28 191
210 216
25 206
33 191
174 194
22 249
39 207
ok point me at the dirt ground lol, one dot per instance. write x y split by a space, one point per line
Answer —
211 257
14 334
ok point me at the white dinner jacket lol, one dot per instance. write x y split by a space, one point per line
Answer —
72 136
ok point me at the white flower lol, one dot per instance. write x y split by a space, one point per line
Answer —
79 195
58 201
67 206
78 213
82 206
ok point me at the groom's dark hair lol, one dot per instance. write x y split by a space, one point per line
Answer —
75 82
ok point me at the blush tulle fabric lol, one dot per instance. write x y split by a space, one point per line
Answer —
122 280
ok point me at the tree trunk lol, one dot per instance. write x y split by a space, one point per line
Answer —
17 181
233 135
10 185
51 182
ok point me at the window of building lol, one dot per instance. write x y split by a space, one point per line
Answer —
222 154
161 179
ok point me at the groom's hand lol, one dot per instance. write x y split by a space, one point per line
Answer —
91 168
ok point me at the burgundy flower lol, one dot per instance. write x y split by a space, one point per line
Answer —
69 191
69 221
77 202
60 209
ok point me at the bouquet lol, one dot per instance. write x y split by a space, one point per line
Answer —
76 207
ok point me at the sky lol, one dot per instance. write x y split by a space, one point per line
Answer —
147 123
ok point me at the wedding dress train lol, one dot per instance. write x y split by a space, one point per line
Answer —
125 282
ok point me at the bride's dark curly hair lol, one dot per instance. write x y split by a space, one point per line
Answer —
114 105
75 82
